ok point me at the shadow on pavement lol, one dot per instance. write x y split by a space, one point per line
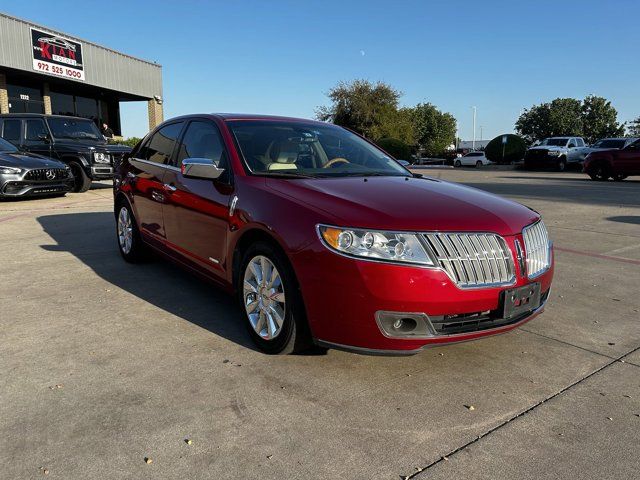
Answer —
90 237
632 219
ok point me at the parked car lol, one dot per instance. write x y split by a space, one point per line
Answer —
616 164
556 152
75 141
611 144
24 174
404 163
472 159
308 223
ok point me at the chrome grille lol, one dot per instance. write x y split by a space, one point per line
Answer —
473 259
40 174
536 244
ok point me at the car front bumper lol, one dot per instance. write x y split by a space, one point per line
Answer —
344 297
26 188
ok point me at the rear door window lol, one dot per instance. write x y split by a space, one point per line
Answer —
159 147
11 131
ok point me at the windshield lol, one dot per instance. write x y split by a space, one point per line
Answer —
6 146
309 150
609 144
75 129
555 142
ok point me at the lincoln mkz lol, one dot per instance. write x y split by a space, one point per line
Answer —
326 239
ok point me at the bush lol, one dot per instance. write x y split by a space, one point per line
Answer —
396 148
132 141
511 151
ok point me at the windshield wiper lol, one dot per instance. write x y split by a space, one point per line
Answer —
287 175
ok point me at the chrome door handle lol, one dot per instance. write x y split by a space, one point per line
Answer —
170 188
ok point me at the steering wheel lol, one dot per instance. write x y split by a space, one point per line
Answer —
332 162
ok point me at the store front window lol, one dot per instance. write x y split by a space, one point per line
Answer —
25 99
62 104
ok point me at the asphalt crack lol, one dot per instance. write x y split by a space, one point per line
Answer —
447 456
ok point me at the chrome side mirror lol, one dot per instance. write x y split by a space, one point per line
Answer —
200 168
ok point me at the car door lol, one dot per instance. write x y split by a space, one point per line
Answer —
627 160
36 138
196 213
148 167
572 150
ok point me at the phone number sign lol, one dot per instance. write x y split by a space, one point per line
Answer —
56 55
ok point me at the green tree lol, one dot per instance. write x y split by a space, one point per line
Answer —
599 119
633 128
562 116
396 148
371 109
434 130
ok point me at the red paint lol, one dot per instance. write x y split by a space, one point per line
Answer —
624 162
341 295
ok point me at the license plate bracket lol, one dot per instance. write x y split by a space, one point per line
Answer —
517 301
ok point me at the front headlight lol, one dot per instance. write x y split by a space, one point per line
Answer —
100 157
396 247
10 170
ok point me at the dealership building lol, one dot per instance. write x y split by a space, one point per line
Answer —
46 71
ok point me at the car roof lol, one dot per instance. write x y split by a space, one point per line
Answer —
227 117
41 115
618 138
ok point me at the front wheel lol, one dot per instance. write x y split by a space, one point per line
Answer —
619 177
457 163
599 172
269 295
81 181
562 164
478 163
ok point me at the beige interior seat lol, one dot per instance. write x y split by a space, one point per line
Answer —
283 155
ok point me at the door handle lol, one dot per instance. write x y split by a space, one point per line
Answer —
169 188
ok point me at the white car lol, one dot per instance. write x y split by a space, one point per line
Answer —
472 159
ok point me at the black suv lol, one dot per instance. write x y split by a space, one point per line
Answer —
74 141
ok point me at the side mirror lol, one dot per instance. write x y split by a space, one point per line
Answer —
200 168
44 137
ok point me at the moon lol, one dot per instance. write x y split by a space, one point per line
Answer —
362 52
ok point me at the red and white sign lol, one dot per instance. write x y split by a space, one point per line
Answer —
56 55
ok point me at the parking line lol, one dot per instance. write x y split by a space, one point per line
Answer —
598 255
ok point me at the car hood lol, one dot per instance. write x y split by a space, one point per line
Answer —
547 147
28 160
413 204
76 145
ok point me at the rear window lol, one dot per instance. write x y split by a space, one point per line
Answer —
609 144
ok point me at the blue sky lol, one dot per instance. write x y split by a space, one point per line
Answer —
281 57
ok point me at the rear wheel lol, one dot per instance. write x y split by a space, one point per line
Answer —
130 244
273 307
81 181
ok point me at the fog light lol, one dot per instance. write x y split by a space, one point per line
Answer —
404 325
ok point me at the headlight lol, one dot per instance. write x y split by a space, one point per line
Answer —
394 247
10 170
100 157
555 153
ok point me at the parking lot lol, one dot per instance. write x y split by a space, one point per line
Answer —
105 364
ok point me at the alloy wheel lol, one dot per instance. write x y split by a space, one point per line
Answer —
264 298
125 230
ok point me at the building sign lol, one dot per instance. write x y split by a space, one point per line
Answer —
55 55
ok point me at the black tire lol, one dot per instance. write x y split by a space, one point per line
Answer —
138 251
562 164
457 163
81 181
479 164
618 177
599 172
293 335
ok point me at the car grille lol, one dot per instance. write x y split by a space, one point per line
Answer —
473 259
536 244
40 174
537 154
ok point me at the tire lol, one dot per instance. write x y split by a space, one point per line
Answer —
618 177
130 243
479 164
273 310
81 181
599 172
562 164
457 163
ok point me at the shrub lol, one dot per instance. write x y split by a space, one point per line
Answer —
396 148
511 151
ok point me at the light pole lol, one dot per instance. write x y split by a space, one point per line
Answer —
473 145
481 137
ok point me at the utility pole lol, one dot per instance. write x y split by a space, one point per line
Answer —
481 137
474 128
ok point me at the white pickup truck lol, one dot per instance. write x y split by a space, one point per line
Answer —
557 152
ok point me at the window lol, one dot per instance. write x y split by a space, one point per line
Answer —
572 144
160 146
202 140
33 129
11 131
579 142
62 104
87 108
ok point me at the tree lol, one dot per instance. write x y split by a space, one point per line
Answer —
599 119
367 108
633 128
434 130
396 148
562 116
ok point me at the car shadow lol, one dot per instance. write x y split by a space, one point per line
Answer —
632 219
90 237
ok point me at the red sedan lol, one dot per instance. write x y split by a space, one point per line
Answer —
325 239
616 164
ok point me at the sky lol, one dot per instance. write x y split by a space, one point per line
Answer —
282 57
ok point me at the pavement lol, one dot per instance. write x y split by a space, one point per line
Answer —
105 366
